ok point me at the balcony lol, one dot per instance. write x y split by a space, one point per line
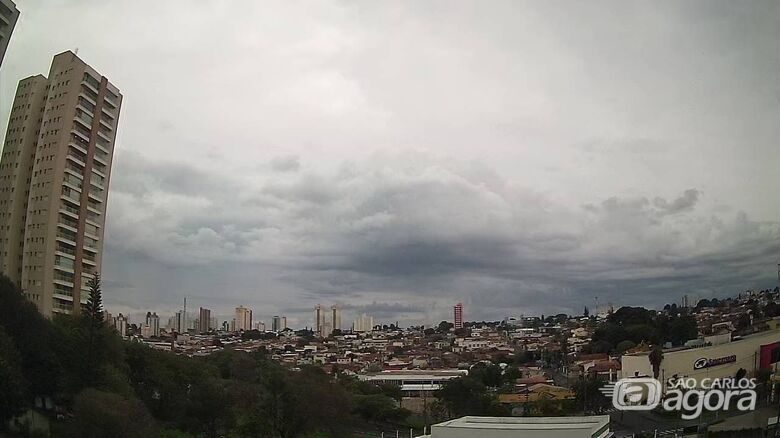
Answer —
69 211
89 94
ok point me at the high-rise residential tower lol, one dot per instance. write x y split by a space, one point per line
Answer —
153 321
243 319
54 175
364 323
8 16
204 320
335 317
319 319
276 324
458 315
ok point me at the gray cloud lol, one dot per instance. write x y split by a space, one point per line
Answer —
520 157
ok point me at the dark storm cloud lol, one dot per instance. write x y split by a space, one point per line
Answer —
521 157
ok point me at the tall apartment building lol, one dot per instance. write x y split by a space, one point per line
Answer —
319 318
243 319
335 317
54 174
276 324
364 323
8 17
153 322
204 320
458 315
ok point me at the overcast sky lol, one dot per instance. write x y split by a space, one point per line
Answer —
399 157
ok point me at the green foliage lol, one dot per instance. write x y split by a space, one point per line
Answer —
379 408
624 346
468 396
588 397
94 308
103 414
637 324
445 326
13 385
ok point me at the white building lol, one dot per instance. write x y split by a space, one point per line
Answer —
522 427
364 323
724 359
243 319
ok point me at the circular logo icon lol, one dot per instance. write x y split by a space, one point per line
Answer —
700 363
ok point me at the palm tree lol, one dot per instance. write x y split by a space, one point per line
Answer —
656 356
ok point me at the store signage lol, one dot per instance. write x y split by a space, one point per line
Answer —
704 362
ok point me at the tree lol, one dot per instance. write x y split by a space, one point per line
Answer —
655 357
101 414
468 396
95 321
94 307
13 387
624 346
445 326
586 312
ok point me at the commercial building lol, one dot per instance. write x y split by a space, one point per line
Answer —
54 176
243 319
412 382
276 324
521 427
724 359
204 320
458 315
8 17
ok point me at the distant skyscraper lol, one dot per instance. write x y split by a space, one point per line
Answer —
276 324
335 317
260 326
284 323
319 319
8 16
153 321
458 310
364 323
54 175
120 324
243 319
204 320
179 322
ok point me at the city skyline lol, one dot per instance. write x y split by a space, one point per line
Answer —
524 180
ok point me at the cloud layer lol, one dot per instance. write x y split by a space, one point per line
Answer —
522 157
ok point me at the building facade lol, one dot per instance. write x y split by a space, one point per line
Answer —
276 324
54 175
458 315
243 319
319 319
153 322
364 323
335 317
751 353
204 320
8 17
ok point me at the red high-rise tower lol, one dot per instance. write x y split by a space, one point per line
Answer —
459 315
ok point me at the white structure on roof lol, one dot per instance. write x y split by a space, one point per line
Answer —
518 427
